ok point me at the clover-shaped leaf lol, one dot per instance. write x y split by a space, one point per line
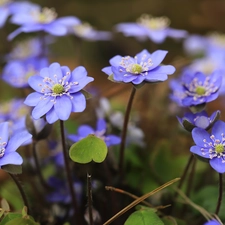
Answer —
88 149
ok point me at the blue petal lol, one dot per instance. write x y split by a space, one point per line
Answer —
44 72
197 150
202 122
175 33
66 73
101 125
4 13
55 72
157 57
81 84
33 99
63 107
117 75
42 108
115 61
55 28
198 135
157 36
79 73
17 140
138 80
4 131
68 21
51 116
11 158
143 55
154 77
36 82
78 102
112 140
131 29
73 137
12 35
217 164
218 129
163 69
107 70
85 130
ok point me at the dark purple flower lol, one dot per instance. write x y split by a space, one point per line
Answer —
17 72
199 119
212 146
58 92
144 67
8 146
196 88
41 20
212 222
85 130
155 28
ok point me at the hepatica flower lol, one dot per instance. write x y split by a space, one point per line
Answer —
85 130
199 119
212 146
212 222
155 28
8 146
144 67
58 92
196 88
41 20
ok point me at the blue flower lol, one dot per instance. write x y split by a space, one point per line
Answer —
144 67
58 92
8 8
196 88
212 222
17 72
8 146
85 130
199 119
211 147
41 20
155 28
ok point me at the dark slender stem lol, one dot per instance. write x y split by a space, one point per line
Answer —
124 132
23 195
190 178
90 199
68 172
37 165
220 193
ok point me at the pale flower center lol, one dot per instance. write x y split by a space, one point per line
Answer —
45 16
58 89
219 148
200 90
82 29
136 68
154 23
2 148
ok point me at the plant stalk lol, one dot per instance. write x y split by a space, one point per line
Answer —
90 199
220 194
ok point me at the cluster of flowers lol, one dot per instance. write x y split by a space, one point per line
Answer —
59 91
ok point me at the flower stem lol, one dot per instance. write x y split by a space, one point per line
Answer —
68 172
23 195
89 199
38 168
124 132
220 193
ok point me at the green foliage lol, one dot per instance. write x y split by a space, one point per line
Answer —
13 169
88 149
144 216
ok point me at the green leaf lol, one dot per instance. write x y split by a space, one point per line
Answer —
9 217
111 78
2 211
24 211
5 205
88 149
21 221
13 169
144 217
86 94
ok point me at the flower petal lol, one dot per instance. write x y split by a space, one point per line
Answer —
218 129
197 150
55 72
79 73
11 158
4 131
63 107
157 57
42 108
78 102
107 70
33 99
112 140
163 69
217 164
17 139
36 82
101 125
199 135
51 116
85 130
55 28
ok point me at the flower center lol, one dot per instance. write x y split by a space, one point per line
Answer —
82 29
58 89
136 68
200 90
218 39
45 16
2 148
219 148
156 23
